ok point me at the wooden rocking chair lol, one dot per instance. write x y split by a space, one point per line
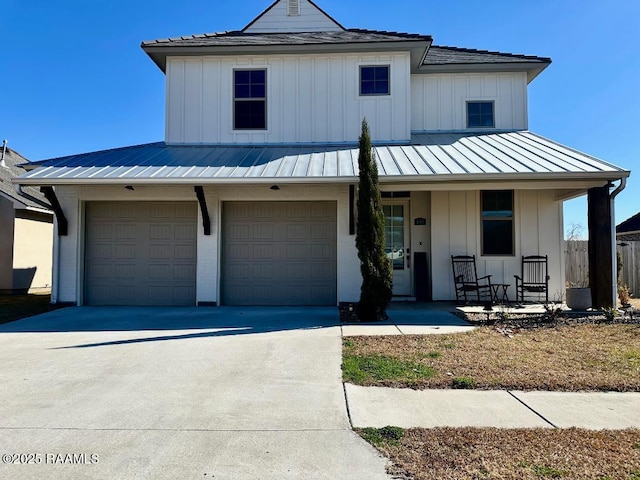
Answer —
534 281
465 277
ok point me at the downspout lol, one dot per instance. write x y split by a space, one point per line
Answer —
614 252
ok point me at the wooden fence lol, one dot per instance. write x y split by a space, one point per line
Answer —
630 274
577 264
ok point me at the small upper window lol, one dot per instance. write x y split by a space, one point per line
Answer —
480 115
374 80
250 100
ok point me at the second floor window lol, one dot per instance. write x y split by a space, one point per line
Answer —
374 80
480 115
250 99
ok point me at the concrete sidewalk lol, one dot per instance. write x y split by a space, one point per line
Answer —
410 318
379 407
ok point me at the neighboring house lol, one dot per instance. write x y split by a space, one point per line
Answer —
26 233
250 198
629 230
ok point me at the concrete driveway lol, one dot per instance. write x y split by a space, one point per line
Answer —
221 393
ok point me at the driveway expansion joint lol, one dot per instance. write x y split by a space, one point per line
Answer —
245 430
346 401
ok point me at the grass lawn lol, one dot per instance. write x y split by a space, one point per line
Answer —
472 453
568 358
15 307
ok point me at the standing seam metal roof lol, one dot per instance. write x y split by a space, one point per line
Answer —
429 156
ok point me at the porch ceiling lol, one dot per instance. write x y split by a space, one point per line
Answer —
429 157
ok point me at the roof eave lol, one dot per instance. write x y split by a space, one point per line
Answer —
532 69
417 48
603 177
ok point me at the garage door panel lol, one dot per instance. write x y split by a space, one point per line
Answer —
279 253
185 232
298 252
131 258
124 252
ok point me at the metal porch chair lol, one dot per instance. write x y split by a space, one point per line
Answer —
465 277
534 281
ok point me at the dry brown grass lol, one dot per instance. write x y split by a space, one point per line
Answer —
471 453
635 302
568 358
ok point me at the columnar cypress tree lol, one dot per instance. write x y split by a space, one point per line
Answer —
375 266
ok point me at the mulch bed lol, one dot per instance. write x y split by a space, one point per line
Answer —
509 317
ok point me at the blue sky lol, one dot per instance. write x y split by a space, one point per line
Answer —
74 79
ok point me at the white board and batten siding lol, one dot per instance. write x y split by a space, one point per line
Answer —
282 18
456 230
438 102
310 99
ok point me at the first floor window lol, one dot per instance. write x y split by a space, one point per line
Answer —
250 99
374 80
480 115
497 222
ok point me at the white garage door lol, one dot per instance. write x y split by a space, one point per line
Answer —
279 253
140 253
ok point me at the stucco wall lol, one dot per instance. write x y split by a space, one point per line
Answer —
32 252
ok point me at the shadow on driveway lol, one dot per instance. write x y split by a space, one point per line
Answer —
211 322
223 321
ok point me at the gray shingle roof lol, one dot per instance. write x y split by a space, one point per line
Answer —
12 170
442 55
239 38
428 157
629 225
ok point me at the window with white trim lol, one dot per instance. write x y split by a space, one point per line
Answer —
375 80
250 99
480 115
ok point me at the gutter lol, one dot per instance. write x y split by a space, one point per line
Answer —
427 178
22 193
614 254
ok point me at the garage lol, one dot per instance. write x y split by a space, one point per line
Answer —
140 253
279 253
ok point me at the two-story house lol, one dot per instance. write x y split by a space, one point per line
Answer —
250 200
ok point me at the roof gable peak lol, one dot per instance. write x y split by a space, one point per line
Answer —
293 16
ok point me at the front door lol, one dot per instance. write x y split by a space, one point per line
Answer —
396 224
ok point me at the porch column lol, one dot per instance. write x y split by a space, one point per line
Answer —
600 247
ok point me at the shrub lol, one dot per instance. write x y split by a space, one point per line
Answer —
385 435
375 266
463 383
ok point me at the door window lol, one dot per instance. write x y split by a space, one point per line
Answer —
394 234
